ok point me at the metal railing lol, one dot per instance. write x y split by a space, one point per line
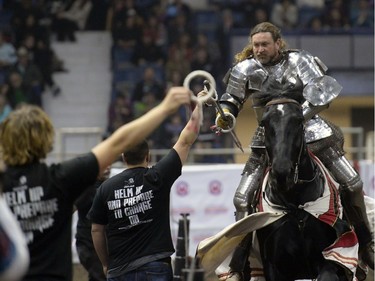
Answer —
90 136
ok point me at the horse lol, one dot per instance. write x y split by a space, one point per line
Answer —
292 247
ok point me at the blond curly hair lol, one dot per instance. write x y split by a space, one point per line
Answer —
26 136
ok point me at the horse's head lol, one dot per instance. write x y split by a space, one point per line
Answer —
284 139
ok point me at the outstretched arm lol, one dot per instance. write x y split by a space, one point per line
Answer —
189 134
131 133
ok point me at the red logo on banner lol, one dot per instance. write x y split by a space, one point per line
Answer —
215 187
214 210
182 188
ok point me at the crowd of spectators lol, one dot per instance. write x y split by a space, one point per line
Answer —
163 42
155 44
27 60
303 15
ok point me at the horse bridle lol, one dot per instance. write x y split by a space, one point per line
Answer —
296 169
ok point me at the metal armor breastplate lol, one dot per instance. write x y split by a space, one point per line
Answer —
308 68
248 76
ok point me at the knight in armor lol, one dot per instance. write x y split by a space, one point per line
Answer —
266 56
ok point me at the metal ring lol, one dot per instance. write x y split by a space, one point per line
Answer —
233 119
208 76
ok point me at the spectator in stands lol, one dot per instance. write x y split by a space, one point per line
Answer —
362 14
120 112
336 16
315 25
202 61
311 4
173 127
118 11
254 10
308 9
156 29
127 35
70 19
5 108
30 26
148 84
175 78
176 8
223 35
285 14
8 54
179 28
97 17
44 59
260 15
19 93
177 62
147 103
31 75
183 46
210 45
29 42
21 20
147 52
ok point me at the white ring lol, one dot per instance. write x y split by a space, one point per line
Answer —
208 76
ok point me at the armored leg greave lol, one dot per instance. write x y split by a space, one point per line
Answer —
330 152
251 179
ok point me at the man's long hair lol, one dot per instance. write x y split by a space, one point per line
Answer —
261 27
26 136
136 154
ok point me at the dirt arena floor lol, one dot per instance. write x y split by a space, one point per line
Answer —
80 274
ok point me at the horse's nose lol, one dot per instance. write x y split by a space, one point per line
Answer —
283 168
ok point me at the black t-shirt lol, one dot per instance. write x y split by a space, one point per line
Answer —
42 197
134 206
83 205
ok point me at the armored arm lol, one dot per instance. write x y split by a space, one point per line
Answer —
242 80
319 94
320 89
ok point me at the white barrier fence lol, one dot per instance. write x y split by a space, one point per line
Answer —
206 192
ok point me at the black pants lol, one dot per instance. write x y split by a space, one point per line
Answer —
90 261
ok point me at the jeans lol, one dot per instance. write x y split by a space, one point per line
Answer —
152 271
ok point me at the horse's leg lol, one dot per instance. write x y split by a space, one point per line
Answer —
239 263
271 273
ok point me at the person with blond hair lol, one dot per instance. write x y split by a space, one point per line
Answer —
41 196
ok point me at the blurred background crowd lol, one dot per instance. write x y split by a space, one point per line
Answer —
155 44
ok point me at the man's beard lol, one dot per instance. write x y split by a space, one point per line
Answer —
271 60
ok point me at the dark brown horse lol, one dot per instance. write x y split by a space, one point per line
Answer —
291 248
